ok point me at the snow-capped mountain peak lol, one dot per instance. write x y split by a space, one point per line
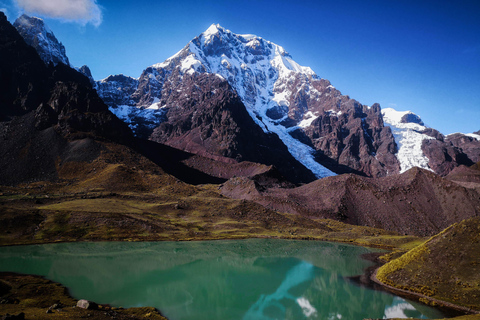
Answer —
259 70
38 35
281 96
214 29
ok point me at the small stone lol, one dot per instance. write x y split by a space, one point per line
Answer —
85 304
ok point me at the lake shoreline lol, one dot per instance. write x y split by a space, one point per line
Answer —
440 304
50 299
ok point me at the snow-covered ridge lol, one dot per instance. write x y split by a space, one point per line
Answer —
408 137
38 35
258 70
471 135
150 116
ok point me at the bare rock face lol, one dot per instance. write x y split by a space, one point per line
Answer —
206 117
38 35
348 136
447 153
411 118
43 110
468 145
85 70
117 90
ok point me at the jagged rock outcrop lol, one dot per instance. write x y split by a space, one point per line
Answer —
85 70
117 90
38 35
448 152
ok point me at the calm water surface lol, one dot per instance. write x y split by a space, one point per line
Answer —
244 279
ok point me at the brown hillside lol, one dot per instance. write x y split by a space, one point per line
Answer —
417 202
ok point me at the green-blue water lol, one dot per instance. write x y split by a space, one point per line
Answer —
244 279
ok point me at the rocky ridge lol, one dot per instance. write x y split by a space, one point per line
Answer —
45 105
416 202
37 34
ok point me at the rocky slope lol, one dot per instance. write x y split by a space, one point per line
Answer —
36 33
212 121
416 202
45 113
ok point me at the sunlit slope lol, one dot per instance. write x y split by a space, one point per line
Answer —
446 267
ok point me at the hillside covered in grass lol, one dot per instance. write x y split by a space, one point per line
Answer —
446 267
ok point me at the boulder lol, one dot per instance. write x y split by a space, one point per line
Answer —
85 304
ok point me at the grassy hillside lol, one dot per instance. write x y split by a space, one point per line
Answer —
446 267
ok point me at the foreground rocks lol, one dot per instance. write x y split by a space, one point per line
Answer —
85 304
39 298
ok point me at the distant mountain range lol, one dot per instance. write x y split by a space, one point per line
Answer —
233 97
325 131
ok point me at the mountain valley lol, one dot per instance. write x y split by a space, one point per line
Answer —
230 139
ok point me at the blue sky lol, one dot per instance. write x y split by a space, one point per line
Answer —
422 56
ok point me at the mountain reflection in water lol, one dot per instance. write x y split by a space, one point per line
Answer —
297 275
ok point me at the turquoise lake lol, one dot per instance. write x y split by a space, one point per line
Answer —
235 279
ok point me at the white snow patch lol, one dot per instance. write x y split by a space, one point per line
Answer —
471 135
408 138
307 308
248 36
281 99
308 118
152 114
155 105
212 30
393 116
474 136
333 112
190 64
121 112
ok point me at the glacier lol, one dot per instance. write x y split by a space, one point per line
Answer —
409 139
